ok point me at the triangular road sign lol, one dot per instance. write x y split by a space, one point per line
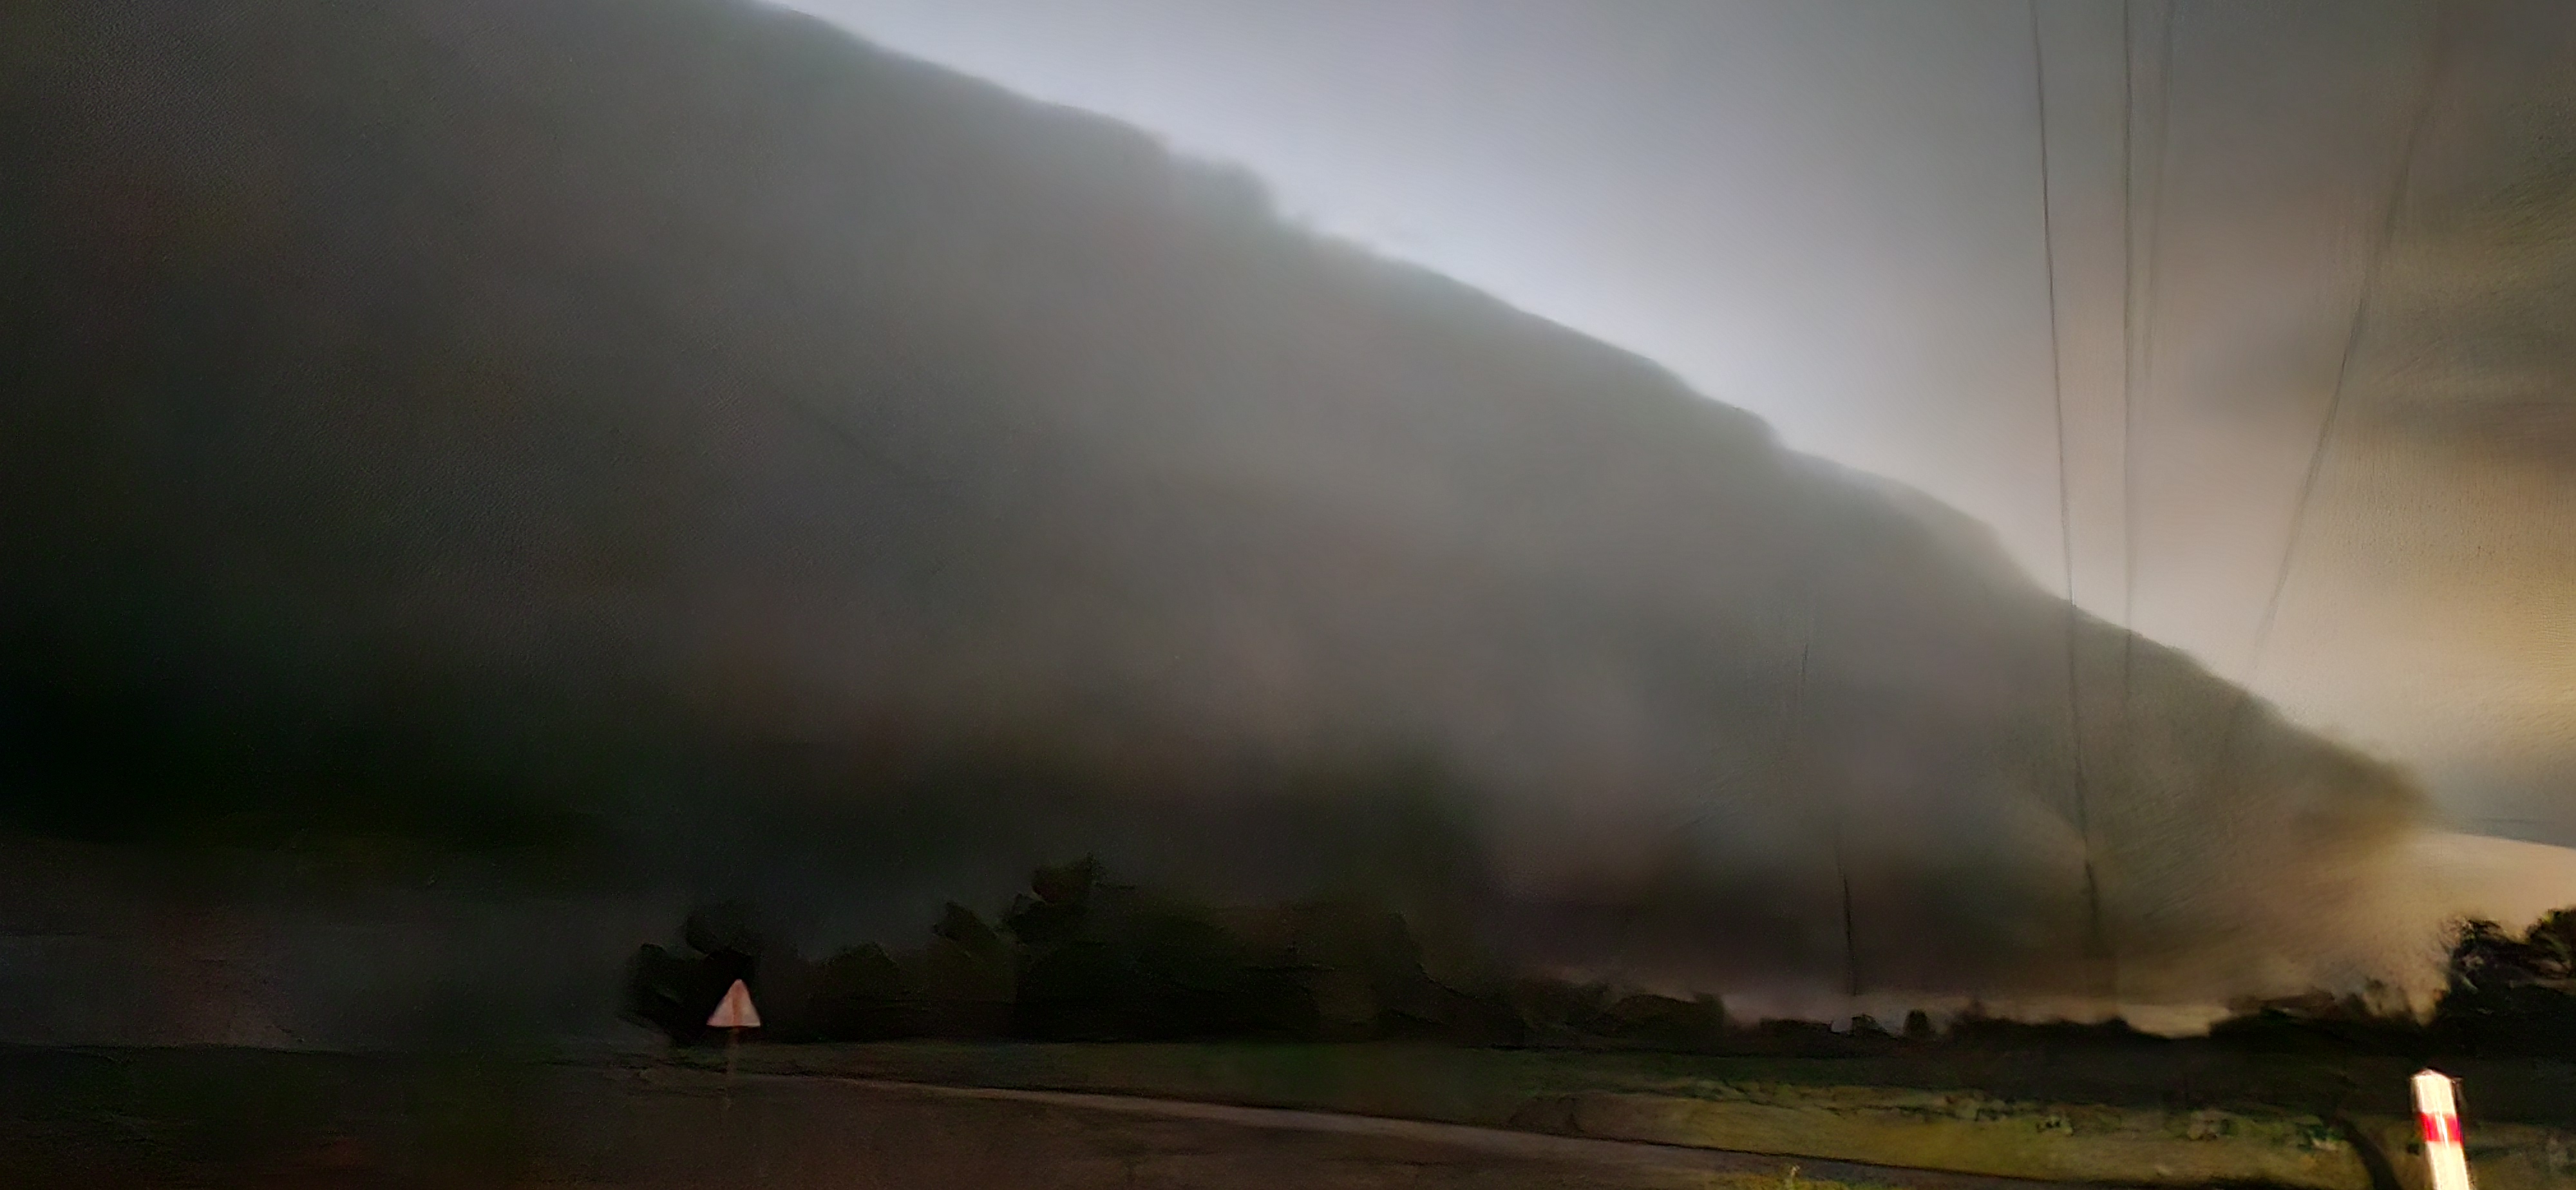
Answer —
735 1010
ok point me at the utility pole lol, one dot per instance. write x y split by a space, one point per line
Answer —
1833 810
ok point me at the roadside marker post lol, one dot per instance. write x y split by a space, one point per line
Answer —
734 1014
2437 1108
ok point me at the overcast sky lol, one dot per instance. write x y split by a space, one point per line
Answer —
1829 213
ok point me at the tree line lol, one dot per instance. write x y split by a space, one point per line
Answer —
1081 957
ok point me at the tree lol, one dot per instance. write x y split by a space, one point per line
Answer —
2510 995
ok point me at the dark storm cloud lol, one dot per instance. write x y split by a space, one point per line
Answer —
678 430
1827 212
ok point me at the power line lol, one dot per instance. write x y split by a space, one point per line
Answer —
2138 329
2048 249
1793 747
2065 514
2138 316
1842 868
2137 360
2438 57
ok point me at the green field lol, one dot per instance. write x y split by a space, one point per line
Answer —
2176 1115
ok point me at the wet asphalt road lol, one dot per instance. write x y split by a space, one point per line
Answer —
805 1131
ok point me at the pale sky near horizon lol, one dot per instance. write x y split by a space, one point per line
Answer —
1829 213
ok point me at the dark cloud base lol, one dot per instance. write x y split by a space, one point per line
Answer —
678 436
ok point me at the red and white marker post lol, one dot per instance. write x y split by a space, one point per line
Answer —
734 1014
2437 1107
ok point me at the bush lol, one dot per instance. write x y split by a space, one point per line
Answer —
2509 995
675 992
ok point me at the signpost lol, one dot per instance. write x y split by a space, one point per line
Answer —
2437 1108
734 1014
